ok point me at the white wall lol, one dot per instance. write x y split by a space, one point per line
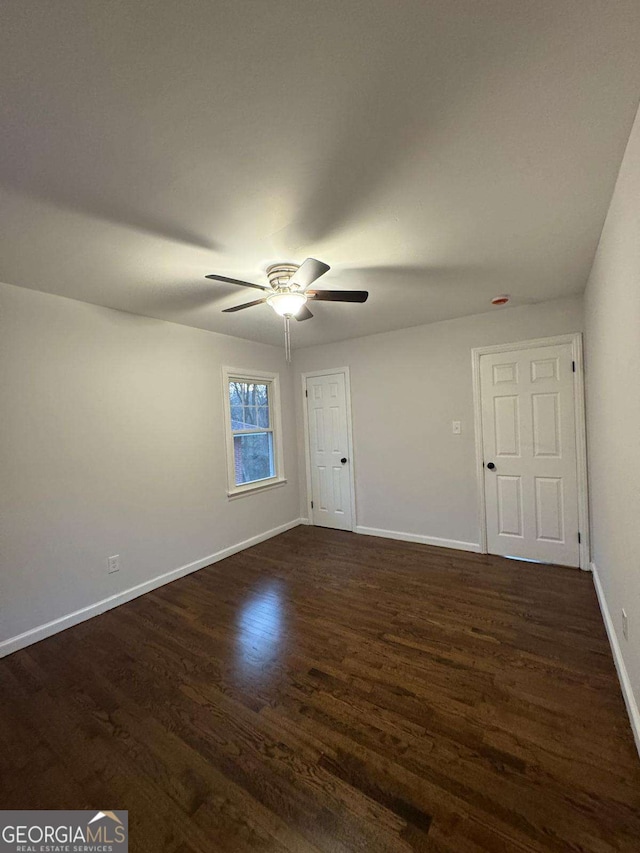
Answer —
412 474
612 315
112 442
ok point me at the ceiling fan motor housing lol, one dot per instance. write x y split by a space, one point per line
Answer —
280 274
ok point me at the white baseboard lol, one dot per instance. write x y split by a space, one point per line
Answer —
34 635
623 676
415 537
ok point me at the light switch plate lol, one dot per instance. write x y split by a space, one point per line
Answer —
457 427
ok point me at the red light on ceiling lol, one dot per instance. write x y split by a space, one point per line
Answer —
500 300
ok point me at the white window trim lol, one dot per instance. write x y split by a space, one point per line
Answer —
279 479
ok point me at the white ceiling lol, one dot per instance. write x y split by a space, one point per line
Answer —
454 150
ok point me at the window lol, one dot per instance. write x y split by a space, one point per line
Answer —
254 449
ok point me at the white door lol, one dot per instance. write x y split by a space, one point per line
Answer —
329 451
530 457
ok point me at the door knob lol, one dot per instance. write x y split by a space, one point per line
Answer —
344 459
491 466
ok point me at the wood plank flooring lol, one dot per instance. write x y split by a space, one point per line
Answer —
325 691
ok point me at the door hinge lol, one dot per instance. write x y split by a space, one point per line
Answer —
311 504
579 538
573 366
306 393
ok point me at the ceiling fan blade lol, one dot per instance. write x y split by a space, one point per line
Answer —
338 295
308 272
244 305
303 314
236 281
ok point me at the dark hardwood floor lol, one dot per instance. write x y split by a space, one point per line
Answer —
331 692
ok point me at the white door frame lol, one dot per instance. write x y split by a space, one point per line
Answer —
307 449
575 339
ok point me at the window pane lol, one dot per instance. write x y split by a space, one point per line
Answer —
250 417
248 393
237 421
249 404
253 457
235 393
260 395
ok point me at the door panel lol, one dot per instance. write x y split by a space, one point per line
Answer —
322 488
319 431
528 423
509 505
549 509
503 373
507 426
546 425
328 445
544 368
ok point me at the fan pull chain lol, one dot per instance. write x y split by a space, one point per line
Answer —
287 338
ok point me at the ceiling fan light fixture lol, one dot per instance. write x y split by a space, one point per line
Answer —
287 303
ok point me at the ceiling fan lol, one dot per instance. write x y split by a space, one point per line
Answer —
288 292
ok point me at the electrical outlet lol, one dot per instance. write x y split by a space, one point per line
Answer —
113 564
457 427
625 625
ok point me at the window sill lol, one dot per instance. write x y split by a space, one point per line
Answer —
254 488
